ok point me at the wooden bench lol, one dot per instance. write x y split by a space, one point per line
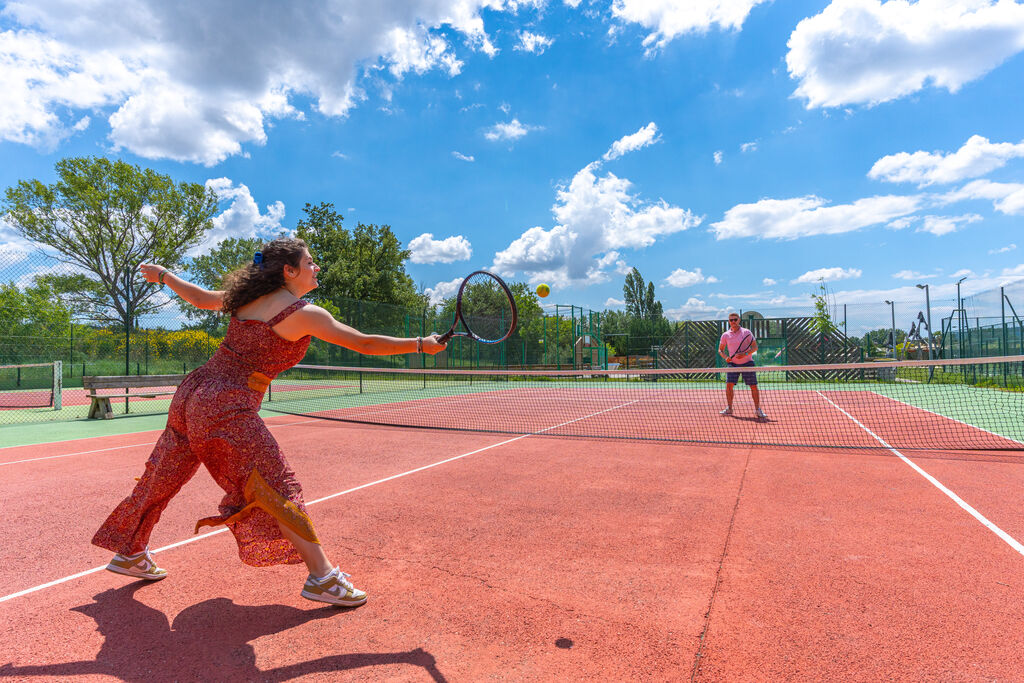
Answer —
100 406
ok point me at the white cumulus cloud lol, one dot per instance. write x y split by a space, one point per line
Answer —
869 51
199 84
241 217
648 135
718 157
768 282
512 130
533 42
1003 250
827 275
696 309
975 158
594 215
669 19
943 225
936 225
687 278
463 157
425 249
1006 198
806 216
442 291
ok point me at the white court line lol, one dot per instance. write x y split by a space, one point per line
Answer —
319 500
1010 540
68 455
114 448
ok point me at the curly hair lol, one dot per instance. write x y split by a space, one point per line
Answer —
252 281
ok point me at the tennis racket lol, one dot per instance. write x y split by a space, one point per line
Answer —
744 345
485 308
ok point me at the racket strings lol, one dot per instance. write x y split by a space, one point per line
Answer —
486 308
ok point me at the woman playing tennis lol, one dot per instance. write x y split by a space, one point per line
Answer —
214 420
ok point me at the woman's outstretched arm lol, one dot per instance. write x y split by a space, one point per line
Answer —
194 294
315 321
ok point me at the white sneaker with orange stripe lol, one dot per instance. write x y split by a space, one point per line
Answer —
140 566
334 589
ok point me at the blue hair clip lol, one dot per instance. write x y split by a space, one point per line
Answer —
257 259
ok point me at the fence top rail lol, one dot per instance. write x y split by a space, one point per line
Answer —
26 365
130 381
871 367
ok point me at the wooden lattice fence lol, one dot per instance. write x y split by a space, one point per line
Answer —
695 344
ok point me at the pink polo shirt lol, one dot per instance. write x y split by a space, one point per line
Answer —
733 340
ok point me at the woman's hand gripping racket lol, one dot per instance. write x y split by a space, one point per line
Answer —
747 342
485 308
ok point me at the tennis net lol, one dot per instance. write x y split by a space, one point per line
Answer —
30 385
933 405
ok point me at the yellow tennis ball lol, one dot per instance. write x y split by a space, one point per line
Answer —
543 291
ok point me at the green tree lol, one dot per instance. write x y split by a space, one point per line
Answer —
640 301
367 263
880 338
822 319
209 270
615 330
105 218
644 320
483 300
34 323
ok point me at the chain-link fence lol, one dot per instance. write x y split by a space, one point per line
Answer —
986 324
40 326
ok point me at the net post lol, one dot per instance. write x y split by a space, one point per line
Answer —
558 320
1003 349
58 383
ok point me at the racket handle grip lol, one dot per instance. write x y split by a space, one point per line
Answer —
443 339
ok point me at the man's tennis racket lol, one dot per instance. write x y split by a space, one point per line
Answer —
744 345
485 308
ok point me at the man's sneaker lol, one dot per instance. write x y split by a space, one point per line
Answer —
334 589
761 415
727 411
140 566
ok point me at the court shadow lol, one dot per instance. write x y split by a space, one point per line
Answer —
207 641
751 418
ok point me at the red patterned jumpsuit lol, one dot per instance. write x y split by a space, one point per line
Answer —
214 420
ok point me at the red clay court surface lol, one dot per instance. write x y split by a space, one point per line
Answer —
533 558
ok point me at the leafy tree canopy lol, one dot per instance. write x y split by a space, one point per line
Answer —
367 263
531 316
822 318
105 218
209 270
640 301
643 323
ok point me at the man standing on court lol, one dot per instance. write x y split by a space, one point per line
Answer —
736 348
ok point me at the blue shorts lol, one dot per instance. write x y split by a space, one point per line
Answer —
749 378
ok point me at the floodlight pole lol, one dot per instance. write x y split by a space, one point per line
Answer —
928 307
892 310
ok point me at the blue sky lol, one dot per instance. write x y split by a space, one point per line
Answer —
734 151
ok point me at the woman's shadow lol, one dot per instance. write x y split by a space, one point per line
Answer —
210 640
